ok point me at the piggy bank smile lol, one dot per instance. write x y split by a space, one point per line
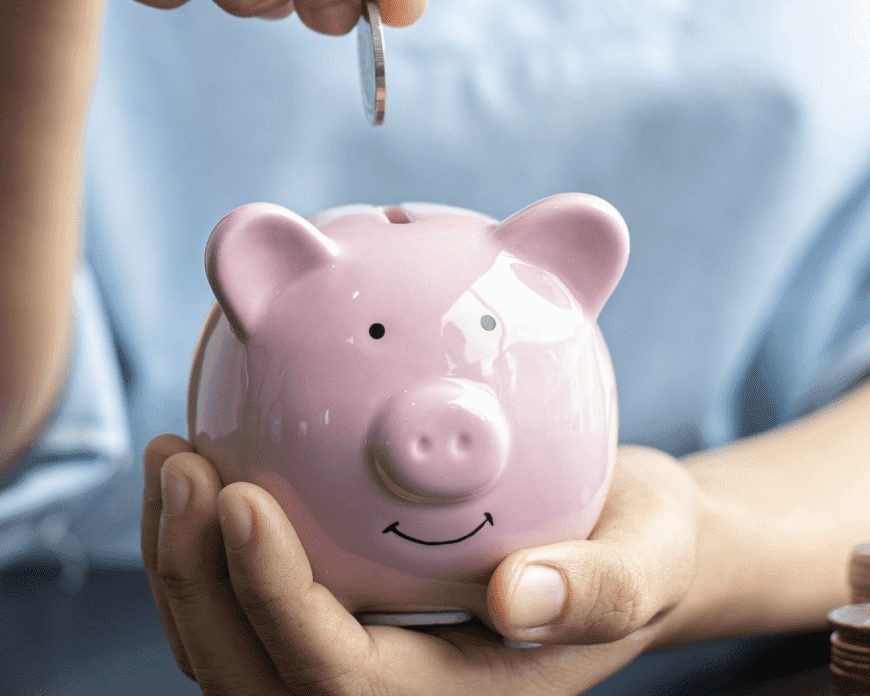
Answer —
433 371
394 528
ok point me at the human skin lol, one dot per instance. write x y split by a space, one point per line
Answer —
748 539
47 60
48 55
752 538
325 16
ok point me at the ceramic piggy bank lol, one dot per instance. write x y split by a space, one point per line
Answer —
423 389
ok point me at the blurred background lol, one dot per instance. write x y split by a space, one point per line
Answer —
732 136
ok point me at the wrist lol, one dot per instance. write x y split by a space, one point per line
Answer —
731 593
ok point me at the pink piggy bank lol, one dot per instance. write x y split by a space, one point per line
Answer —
423 389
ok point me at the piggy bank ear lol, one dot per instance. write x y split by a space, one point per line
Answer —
581 239
254 253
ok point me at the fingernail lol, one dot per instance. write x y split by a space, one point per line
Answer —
236 521
175 489
336 19
538 598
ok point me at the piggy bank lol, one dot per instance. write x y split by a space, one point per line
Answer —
423 389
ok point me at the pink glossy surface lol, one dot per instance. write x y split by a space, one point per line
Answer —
439 443
482 421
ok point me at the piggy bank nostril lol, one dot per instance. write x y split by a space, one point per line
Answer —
463 442
422 446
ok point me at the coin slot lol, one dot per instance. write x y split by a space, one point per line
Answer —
397 215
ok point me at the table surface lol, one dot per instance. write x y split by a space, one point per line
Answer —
102 636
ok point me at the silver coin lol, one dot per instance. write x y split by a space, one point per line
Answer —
370 42
854 617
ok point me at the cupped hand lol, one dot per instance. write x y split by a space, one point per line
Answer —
244 616
325 16
636 566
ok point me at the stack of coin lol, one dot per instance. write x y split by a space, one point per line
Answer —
859 574
850 650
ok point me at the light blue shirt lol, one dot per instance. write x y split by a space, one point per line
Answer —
734 137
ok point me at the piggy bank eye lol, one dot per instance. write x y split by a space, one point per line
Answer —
487 322
377 331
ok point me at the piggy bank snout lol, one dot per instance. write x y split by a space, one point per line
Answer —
441 442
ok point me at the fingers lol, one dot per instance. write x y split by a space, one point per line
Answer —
488 667
251 8
637 564
402 13
239 8
222 651
156 453
340 16
310 636
334 17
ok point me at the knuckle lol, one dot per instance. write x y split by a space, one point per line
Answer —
178 586
261 605
618 601
336 677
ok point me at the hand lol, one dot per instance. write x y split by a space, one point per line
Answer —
325 16
235 592
637 565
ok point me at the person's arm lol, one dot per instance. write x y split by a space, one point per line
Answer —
48 53
778 515
770 519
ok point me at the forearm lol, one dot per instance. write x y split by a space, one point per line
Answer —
48 52
779 514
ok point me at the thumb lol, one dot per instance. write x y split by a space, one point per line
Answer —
638 564
578 592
